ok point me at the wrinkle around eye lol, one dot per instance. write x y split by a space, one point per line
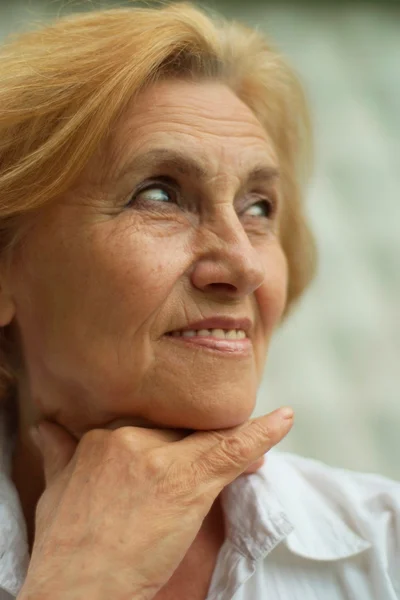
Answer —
165 184
261 227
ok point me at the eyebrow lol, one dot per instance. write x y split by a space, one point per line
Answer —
186 165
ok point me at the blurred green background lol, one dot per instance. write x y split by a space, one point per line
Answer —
337 359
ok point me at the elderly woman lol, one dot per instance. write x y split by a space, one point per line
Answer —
152 239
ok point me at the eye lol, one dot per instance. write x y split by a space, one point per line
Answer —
262 208
156 191
155 194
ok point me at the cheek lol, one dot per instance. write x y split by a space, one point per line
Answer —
127 273
271 300
272 295
139 271
96 294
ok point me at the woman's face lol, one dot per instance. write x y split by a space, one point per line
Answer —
174 223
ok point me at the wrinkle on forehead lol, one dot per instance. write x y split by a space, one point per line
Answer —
170 97
204 119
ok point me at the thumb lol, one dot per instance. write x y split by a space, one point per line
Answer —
56 446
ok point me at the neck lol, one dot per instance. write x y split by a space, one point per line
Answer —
27 475
27 470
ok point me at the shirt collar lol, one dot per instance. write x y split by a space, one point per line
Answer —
255 520
278 504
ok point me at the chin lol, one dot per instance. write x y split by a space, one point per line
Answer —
203 394
205 415
224 419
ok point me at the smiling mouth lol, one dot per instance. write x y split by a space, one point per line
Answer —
231 342
217 334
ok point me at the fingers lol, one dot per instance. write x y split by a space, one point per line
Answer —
56 445
216 455
145 437
231 452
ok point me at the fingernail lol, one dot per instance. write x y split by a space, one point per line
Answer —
286 413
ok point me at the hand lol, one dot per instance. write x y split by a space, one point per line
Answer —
121 508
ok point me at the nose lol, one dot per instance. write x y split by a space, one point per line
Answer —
228 264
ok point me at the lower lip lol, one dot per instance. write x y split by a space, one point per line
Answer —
237 347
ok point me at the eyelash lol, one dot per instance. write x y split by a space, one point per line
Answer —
268 203
168 185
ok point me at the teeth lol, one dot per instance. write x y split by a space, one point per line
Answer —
231 335
187 333
219 334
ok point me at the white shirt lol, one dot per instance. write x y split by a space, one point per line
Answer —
295 530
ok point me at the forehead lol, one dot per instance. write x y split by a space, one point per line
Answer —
204 118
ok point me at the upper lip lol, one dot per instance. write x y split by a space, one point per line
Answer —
227 323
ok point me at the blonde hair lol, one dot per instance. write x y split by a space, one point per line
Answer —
62 87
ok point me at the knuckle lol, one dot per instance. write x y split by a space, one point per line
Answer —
230 453
121 436
157 464
90 444
236 448
102 445
93 437
260 433
121 443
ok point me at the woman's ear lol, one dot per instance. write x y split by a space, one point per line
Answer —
7 307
